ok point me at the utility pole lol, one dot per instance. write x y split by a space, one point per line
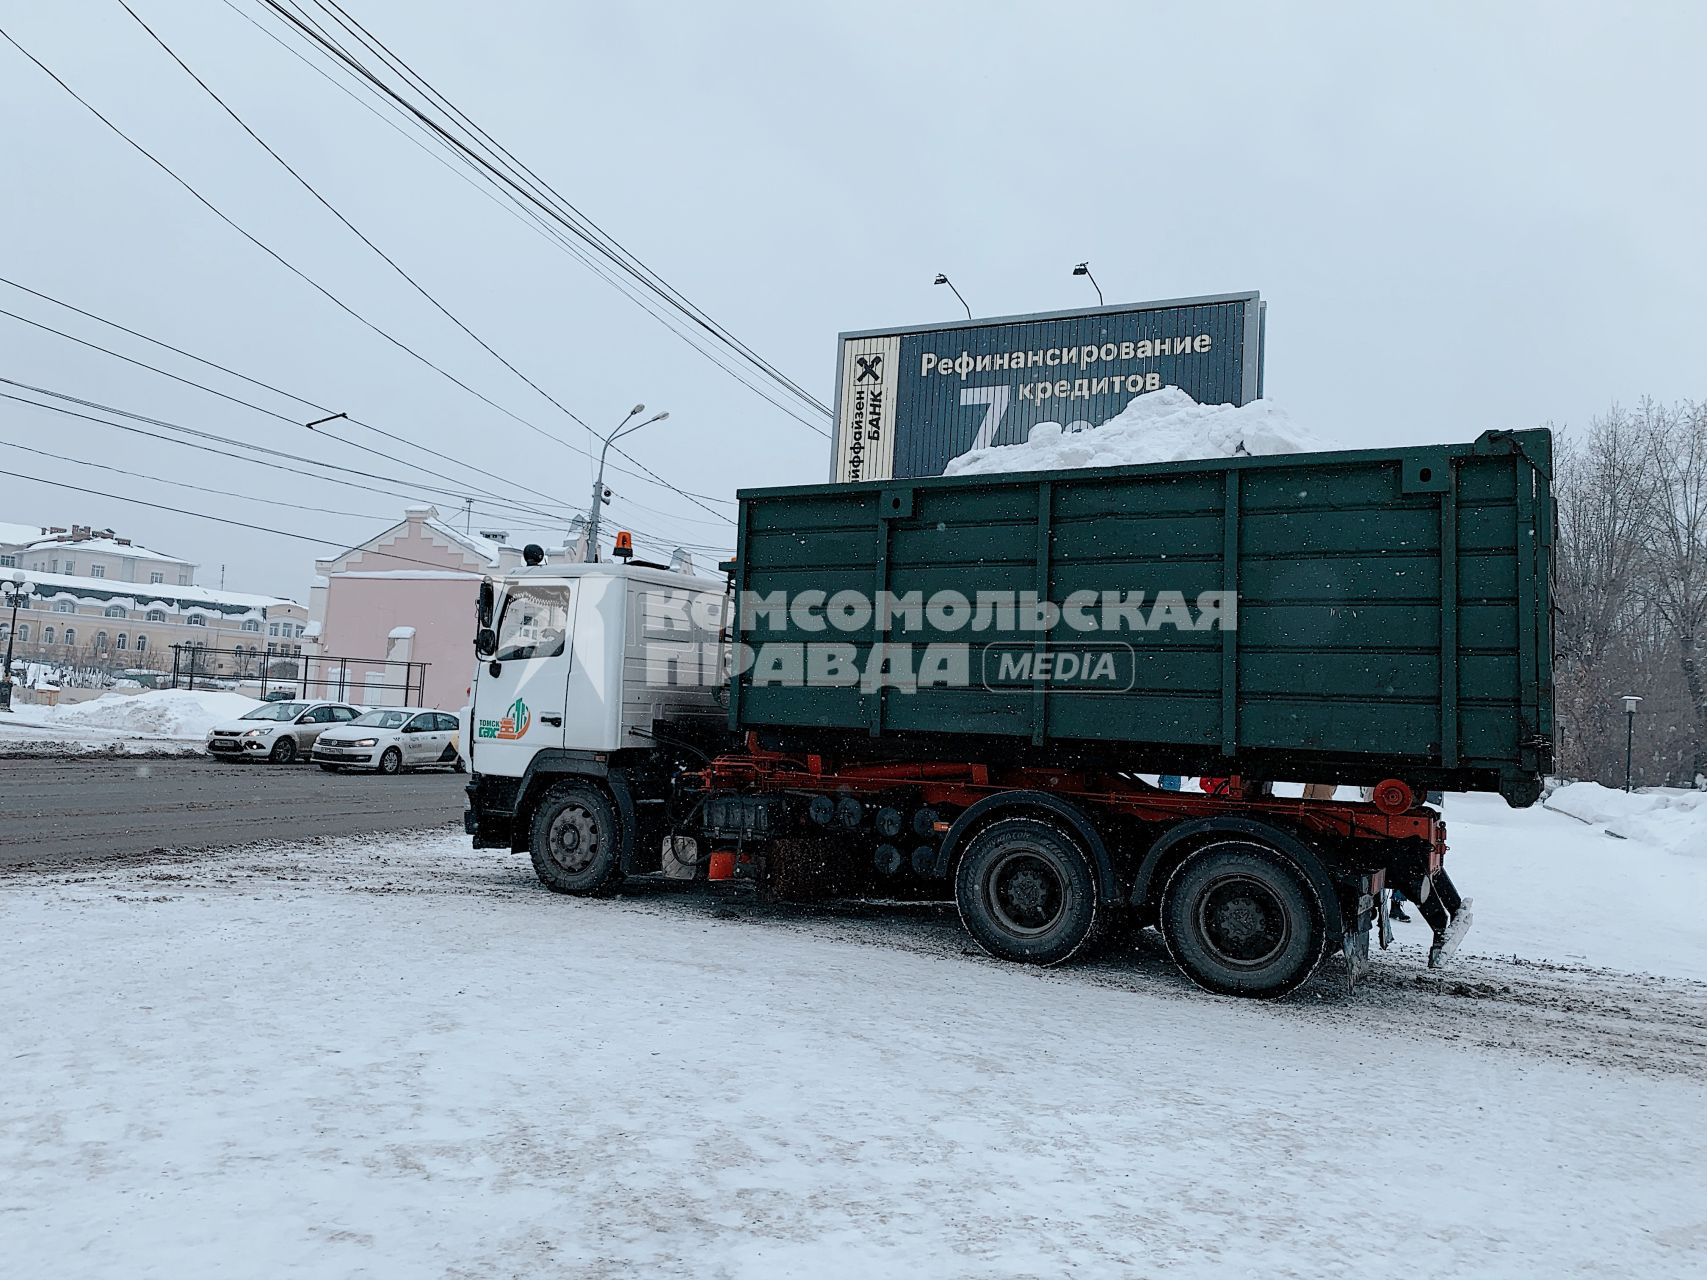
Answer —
599 499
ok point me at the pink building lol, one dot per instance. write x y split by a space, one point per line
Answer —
408 596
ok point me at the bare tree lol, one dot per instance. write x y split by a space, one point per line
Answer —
1676 551
1601 496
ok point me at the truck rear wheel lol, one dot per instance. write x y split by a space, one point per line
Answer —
574 841
1241 921
1026 892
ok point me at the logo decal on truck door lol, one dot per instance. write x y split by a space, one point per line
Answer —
514 724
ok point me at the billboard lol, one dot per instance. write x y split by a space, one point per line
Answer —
910 400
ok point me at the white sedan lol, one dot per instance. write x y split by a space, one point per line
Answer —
390 740
277 731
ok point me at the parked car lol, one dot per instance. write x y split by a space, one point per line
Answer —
277 731
391 739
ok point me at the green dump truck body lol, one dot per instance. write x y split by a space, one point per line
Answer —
1391 616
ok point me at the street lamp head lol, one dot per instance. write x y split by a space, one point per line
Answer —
18 577
637 411
1630 701
940 279
662 416
1083 269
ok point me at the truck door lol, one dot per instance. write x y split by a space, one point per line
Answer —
521 690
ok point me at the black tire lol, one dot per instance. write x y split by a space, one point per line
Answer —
574 840
461 765
331 768
391 761
1027 892
1241 920
284 750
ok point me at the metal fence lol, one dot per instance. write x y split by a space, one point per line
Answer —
282 673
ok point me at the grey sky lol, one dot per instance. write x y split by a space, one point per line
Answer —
1462 217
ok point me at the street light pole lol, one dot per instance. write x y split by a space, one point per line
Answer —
943 279
19 593
1084 269
1630 701
622 429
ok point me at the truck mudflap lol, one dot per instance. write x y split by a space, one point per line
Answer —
1448 915
1356 949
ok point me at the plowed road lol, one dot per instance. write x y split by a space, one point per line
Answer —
71 812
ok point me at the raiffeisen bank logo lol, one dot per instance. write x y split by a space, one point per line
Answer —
997 640
514 724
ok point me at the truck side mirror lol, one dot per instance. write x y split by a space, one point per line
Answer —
485 641
483 609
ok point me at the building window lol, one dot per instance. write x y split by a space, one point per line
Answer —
70 636
272 628
71 566
142 644
183 579
115 611
300 628
156 578
47 635
156 615
196 620
63 606
53 566
8 562
251 624
23 632
97 571
100 640
121 642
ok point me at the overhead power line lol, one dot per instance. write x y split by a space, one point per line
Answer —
298 272
476 147
334 211
269 251
236 524
461 491
315 405
504 513
185 484
647 535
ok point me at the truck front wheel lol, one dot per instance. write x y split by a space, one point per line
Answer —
1241 921
1026 892
574 841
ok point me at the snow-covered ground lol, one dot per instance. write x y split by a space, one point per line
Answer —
406 1059
1662 817
161 720
1159 426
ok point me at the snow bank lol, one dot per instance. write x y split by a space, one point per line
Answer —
1665 817
167 713
1550 888
1161 426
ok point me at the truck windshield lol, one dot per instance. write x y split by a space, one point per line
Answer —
535 621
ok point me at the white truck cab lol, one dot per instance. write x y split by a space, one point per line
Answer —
587 658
